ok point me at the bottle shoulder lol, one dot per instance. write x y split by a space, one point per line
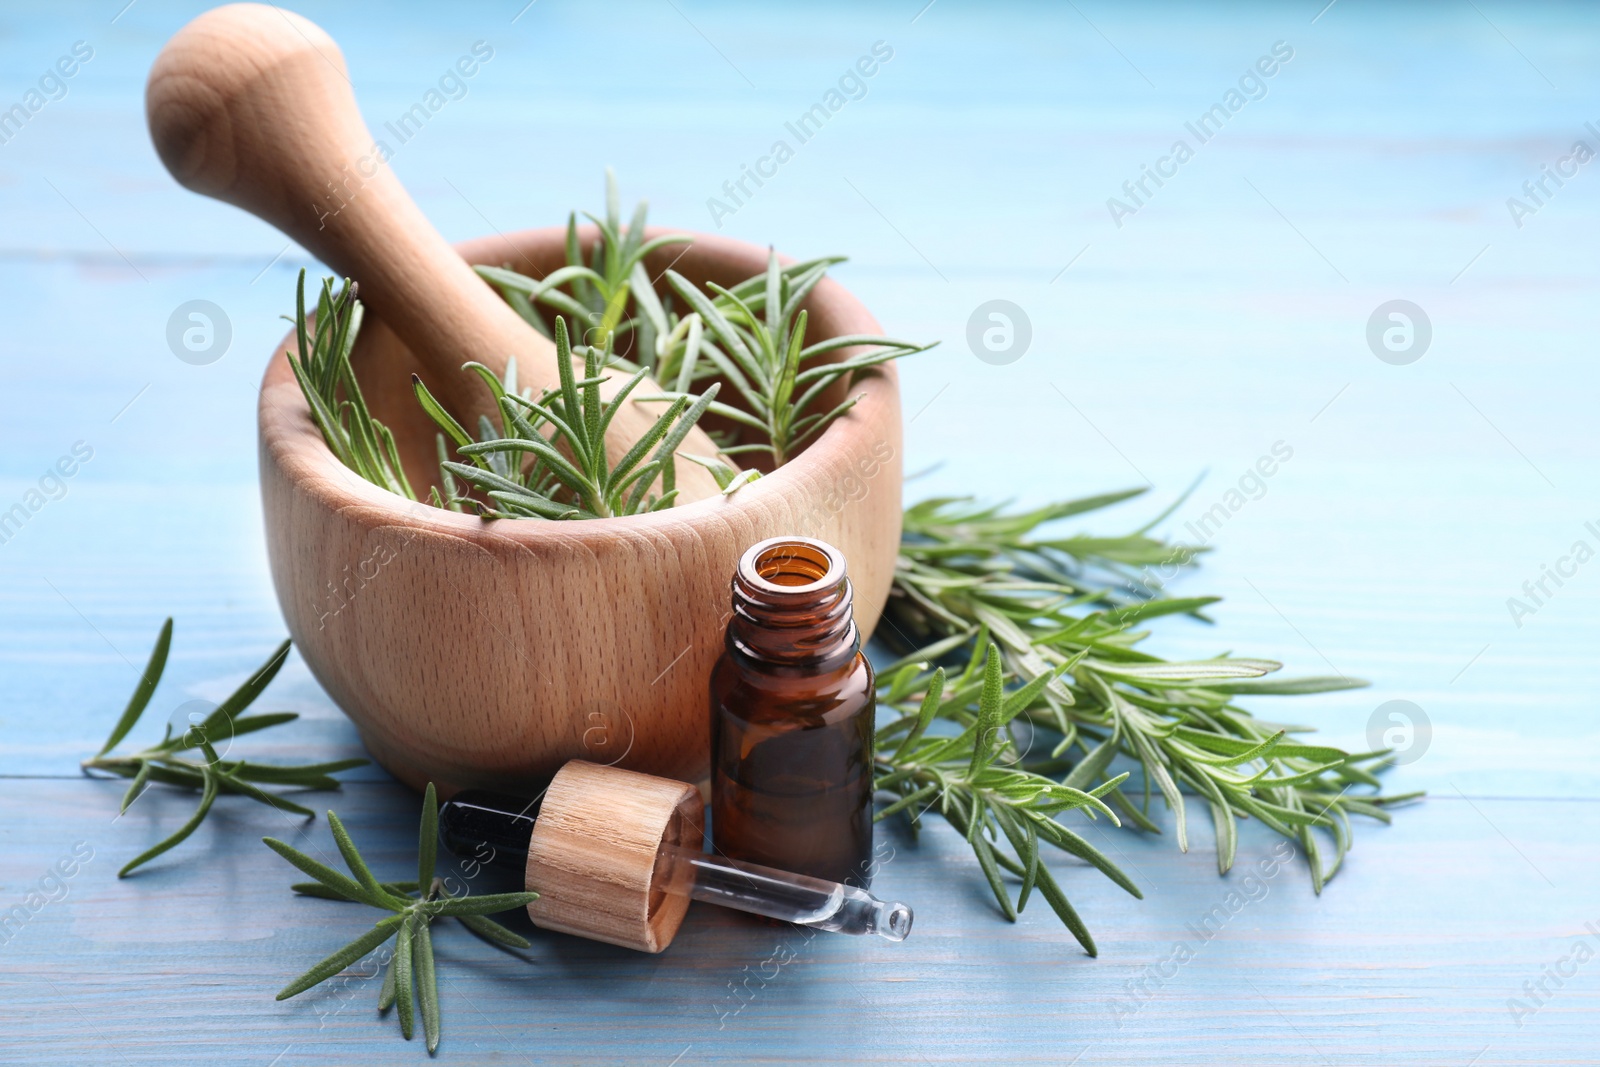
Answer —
755 691
856 672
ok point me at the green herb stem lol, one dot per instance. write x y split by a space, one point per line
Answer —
209 774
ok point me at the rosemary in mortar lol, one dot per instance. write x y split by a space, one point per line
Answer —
170 760
551 486
1054 618
361 442
409 979
597 293
762 334
752 336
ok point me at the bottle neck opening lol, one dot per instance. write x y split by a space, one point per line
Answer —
792 605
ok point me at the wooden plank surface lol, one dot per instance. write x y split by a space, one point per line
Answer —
1415 949
1226 315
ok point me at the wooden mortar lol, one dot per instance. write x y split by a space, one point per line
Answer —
480 653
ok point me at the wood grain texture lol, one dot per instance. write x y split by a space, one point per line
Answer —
1192 338
593 857
489 653
253 105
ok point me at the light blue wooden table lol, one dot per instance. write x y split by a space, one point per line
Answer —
1227 313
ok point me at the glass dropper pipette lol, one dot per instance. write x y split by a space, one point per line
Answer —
495 830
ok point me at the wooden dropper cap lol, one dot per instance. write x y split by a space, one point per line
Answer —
592 857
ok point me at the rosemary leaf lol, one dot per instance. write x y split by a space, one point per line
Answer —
137 787
353 860
428 837
141 692
244 696
493 932
427 985
345 887
386 992
485 904
1064 911
207 796
338 961
317 889
271 800
404 979
247 724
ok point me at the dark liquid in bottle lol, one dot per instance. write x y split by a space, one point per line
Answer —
793 778
792 703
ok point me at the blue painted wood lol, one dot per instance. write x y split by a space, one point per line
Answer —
1414 949
1226 315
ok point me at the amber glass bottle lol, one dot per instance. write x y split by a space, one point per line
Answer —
791 705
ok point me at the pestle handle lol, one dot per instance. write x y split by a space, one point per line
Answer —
252 105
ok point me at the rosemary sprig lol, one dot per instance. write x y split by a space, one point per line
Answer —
974 779
970 577
598 292
526 475
1082 563
757 343
409 979
360 441
165 761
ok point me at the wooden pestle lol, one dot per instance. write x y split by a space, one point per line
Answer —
252 105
